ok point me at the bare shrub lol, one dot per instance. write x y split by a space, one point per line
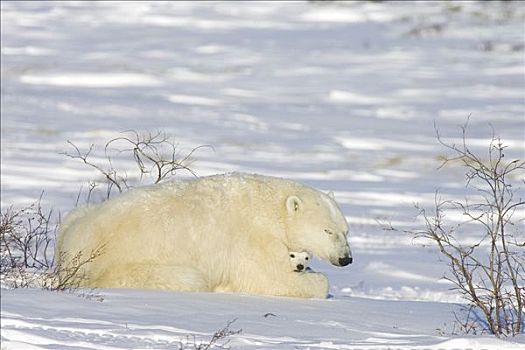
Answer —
26 237
67 274
219 339
155 156
26 251
490 272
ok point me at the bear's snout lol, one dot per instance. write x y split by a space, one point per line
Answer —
300 267
345 261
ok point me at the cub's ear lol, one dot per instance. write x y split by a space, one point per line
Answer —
293 204
331 195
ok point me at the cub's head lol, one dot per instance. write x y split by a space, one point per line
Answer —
315 224
299 261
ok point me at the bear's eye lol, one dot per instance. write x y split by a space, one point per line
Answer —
306 258
292 256
329 232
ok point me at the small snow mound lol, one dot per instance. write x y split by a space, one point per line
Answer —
92 80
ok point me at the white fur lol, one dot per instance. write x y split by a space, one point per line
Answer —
329 202
220 233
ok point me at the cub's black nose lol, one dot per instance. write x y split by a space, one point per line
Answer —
345 261
300 267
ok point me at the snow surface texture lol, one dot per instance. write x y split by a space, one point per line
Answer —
340 96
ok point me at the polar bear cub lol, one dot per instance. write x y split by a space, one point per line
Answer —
299 261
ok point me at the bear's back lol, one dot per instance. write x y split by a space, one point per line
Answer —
226 185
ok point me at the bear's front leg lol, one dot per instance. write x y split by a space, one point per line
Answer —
309 285
289 284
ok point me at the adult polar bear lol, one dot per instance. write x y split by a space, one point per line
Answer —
228 233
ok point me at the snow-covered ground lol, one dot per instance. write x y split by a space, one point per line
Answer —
340 96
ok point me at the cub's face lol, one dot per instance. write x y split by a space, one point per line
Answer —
315 224
299 261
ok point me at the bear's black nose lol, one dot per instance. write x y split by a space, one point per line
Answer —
345 261
300 267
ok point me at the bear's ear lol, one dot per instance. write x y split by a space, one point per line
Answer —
331 195
293 204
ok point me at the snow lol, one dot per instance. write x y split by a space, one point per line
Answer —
340 96
138 319
92 80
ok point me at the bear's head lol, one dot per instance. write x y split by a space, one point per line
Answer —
299 261
315 224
